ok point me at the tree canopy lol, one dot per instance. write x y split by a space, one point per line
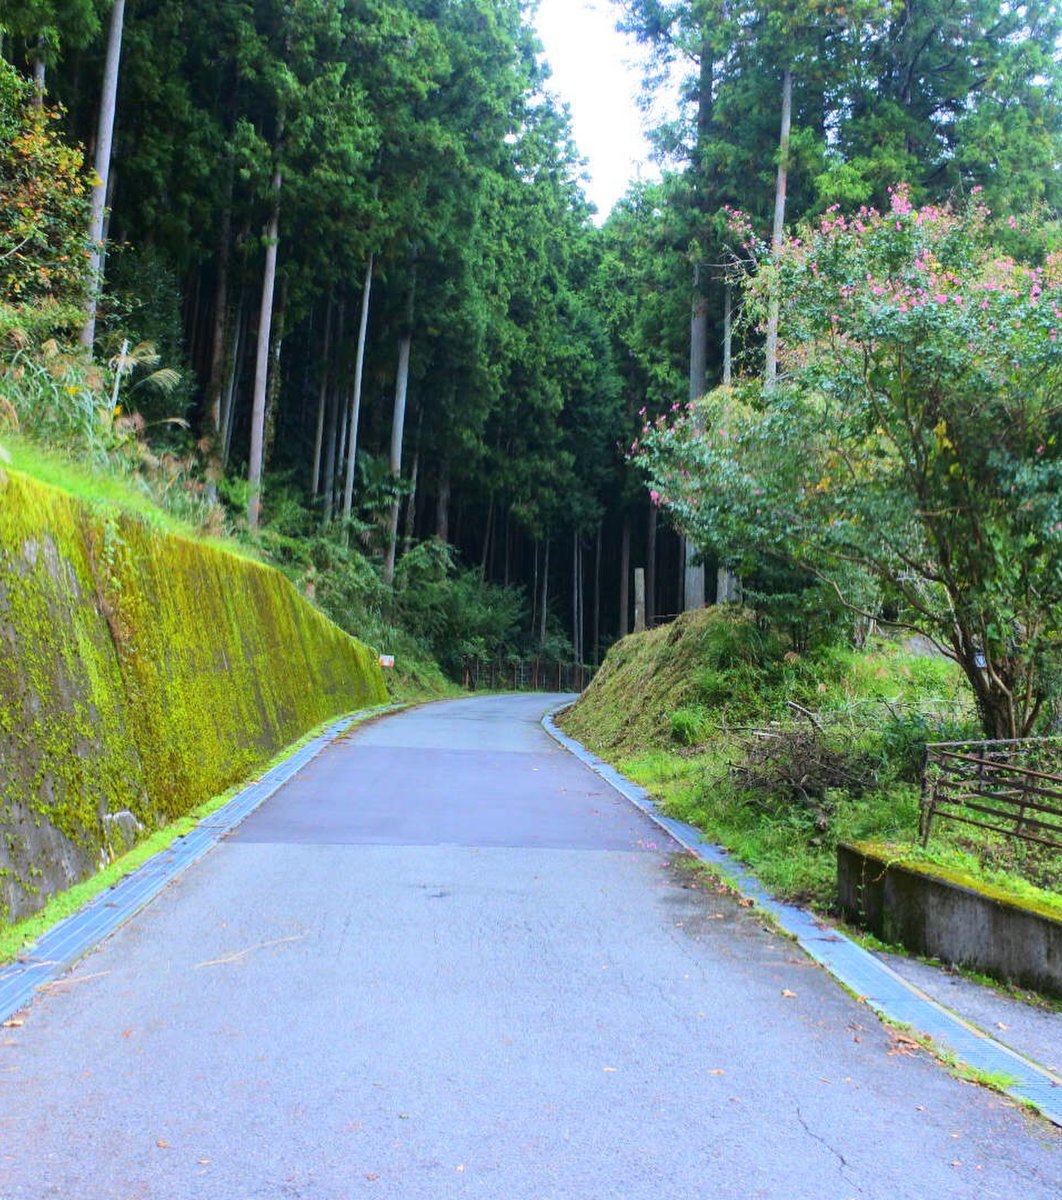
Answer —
353 234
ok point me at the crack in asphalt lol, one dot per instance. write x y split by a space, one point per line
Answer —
844 1167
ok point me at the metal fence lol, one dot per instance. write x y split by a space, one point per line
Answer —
1009 787
531 675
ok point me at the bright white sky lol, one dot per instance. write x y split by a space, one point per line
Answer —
595 71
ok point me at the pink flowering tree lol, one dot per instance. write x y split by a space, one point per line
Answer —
909 456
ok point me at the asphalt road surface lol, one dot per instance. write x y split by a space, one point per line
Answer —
447 961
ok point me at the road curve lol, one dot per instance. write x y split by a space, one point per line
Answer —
446 961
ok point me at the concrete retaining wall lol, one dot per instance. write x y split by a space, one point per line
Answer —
955 923
141 673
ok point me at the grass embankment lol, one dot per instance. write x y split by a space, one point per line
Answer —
779 755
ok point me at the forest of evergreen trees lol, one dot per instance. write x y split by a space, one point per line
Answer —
346 284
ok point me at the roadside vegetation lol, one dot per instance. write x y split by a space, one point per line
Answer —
779 754
346 309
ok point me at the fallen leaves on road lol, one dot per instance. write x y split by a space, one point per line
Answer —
902 1044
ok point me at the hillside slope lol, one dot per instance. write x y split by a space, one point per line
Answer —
644 679
140 673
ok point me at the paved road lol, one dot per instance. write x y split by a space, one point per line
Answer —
446 962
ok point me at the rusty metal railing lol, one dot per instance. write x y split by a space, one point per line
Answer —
1002 786
529 675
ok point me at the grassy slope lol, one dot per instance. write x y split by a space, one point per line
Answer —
697 681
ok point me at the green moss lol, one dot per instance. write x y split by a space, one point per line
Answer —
140 671
57 907
1014 893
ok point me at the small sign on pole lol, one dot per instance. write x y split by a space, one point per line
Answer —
387 660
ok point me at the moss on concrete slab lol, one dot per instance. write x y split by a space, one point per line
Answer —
140 673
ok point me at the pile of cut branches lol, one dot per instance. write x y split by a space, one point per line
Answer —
799 763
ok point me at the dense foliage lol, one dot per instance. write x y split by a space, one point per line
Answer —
910 456
358 308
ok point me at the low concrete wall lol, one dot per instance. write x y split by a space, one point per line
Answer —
949 921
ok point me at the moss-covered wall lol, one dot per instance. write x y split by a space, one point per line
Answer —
140 673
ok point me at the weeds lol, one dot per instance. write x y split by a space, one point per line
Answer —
780 755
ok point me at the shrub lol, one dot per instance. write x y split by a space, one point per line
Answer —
688 724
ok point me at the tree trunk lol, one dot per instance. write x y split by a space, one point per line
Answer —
625 583
222 316
576 621
488 531
727 587
692 578
398 425
39 74
691 585
442 504
639 600
275 377
534 590
781 184
597 598
411 504
650 568
728 336
261 366
727 584
332 440
228 399
355 406
698 337
104 142
322 402
411 499
341 455
544 596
